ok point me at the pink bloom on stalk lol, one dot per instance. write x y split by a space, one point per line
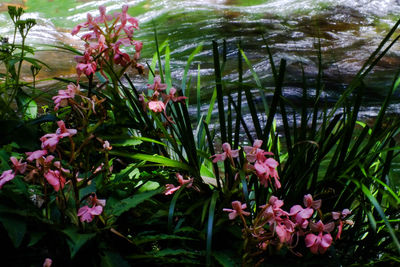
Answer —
321 242
156 106
87 214
170 189
78 27
228 153
157 85
171 96
5 177
267 169
55 179
61 100
138 48
183 181
18 166
35 154
302 215
85 64
50 141
86 68
103 16
340 216
254 152
47 262
120 58
63 131
237 210
310 203
107 145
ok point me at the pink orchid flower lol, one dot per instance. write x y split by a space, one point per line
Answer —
87 214
50 141
157 85
156 106
170 189
183 181
341 216
47 262
228 153
63 131
6 176
302 215
61 100
18 166
55 179
310 203
171 96
321 242
267 169
238 209
35 154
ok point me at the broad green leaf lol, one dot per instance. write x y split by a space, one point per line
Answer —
15 228
76 240
113 259
119 207
26 105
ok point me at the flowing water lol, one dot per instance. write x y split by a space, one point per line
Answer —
349 31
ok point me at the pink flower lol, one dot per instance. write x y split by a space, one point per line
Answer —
309 202
63 131
182 181
35 154
156 106
171 96
61 100
47 262
265 170
50 141
55 179
302 215
321 242
228 153
237 210
18 166
340 216
5 177
87 214
107 145
170 189
157 85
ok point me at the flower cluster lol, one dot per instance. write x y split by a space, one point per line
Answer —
104 42
94 207
170 188
41 166
159 100
256 162
275 226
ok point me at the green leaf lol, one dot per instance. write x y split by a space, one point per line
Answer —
125 142
210 223
26 105
35 237
119 207
190 59
225 259
15 228
113 259
76 240
153 158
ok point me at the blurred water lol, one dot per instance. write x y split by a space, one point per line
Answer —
349 31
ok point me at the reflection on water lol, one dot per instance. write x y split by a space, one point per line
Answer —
349 31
